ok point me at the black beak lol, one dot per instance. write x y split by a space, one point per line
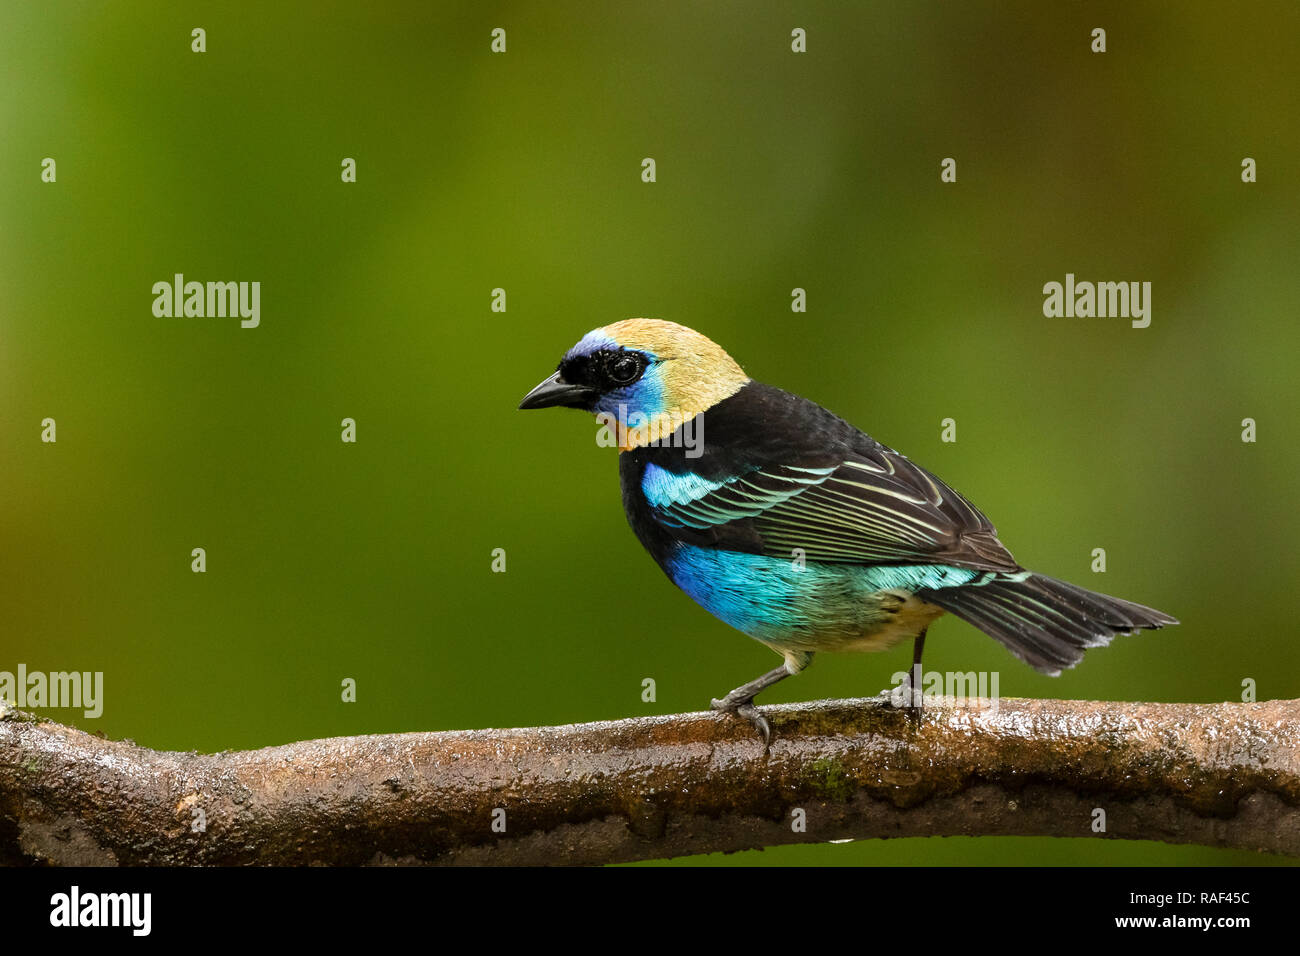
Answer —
556 391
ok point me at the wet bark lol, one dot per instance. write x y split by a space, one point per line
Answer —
1224 775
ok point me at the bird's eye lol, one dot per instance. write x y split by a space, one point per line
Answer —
626 369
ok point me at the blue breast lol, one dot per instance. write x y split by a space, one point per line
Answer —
775 600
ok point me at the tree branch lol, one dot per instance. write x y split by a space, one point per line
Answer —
1225 775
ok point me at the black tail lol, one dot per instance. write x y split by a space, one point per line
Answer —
1044 622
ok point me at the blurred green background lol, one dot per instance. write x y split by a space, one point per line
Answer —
522 171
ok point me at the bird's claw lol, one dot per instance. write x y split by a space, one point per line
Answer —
907 698
748 710
751 713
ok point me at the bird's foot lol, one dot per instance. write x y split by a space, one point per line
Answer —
908 698
748 710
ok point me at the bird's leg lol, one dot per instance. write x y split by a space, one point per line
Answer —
741 700
914 697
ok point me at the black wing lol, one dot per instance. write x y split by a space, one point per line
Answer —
784 474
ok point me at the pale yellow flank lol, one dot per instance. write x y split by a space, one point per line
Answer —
696 373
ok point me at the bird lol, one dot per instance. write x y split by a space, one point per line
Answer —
798 529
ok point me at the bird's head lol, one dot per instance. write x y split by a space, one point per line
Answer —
643 376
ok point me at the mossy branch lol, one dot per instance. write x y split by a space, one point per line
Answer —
1225 775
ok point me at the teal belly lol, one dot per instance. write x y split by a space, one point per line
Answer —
813 607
